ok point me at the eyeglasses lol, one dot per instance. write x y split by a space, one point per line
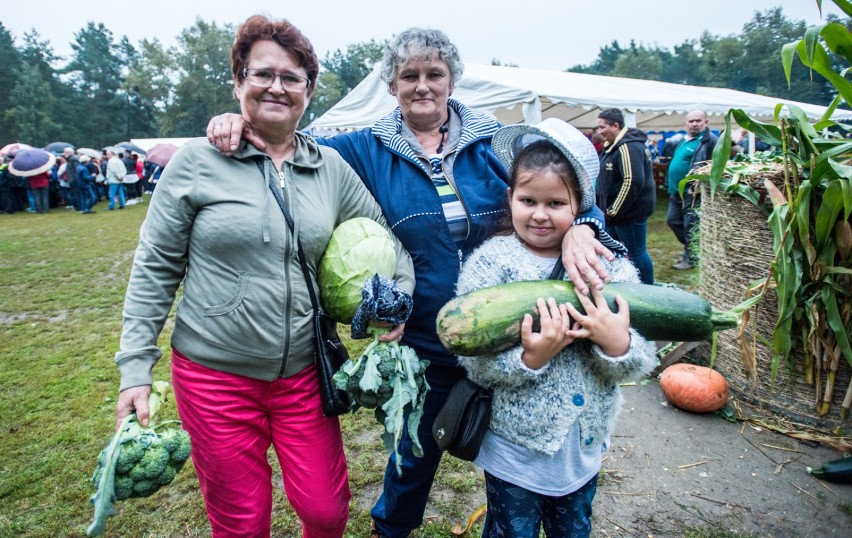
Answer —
265 78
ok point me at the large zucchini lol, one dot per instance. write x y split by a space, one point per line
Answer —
489 319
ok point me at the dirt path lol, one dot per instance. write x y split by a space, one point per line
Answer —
669 471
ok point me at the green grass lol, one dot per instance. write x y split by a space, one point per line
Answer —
665 249
62 282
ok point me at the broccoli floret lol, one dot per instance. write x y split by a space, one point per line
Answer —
385 391
352 382
144 488
367 399
123 487
176 442
153 463
130 455
388 365
166 476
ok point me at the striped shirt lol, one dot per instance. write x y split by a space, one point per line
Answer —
452 206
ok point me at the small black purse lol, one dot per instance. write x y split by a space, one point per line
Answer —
462 421
330 351
331 355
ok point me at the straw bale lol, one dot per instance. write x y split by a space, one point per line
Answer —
736 250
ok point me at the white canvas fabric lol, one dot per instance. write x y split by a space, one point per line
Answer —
517 95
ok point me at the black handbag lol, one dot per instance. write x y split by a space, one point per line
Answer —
330 351
462 421
330 356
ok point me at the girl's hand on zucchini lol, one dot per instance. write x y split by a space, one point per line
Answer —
607 329
540 347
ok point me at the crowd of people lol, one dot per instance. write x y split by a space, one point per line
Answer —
79 182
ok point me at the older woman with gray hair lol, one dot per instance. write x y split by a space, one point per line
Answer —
430 165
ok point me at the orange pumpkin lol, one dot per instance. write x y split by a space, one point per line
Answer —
694 388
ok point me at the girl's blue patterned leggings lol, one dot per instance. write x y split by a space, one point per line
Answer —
515 512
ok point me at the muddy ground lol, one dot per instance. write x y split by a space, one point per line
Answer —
670 472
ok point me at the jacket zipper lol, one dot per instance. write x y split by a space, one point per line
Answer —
288 254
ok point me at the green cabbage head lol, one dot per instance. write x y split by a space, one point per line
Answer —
358 249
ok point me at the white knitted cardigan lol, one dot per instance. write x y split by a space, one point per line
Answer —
536 408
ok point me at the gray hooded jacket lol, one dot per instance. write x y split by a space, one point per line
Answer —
214 225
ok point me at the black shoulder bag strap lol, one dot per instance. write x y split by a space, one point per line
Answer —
558 272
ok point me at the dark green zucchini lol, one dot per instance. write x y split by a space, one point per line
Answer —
489 320
839 471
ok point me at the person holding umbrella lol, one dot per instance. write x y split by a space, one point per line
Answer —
8 200
35 165
156 159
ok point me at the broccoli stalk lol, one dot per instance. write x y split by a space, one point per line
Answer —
105 495
137 460
390 379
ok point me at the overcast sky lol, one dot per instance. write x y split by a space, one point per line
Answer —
547 34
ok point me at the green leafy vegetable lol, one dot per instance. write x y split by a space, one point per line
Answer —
137 461
391 379
358 249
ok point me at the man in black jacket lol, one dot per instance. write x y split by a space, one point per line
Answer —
697 146
625 189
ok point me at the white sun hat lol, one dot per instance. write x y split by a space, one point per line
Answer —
578 149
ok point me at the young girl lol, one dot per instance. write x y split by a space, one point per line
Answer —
556 394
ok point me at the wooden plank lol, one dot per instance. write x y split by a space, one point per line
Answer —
675 355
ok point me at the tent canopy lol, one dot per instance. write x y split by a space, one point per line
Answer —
517 95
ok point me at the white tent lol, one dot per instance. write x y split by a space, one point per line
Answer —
148 143
516 95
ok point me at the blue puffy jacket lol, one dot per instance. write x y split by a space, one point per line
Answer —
84 174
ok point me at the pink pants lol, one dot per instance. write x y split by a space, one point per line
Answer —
233 420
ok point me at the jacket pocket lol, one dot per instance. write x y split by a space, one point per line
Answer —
252 321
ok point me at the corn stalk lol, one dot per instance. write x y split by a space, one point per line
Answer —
811 271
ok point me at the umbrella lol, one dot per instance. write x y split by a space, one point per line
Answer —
58 147
132 147
32 162
89 152
11 149
161 154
